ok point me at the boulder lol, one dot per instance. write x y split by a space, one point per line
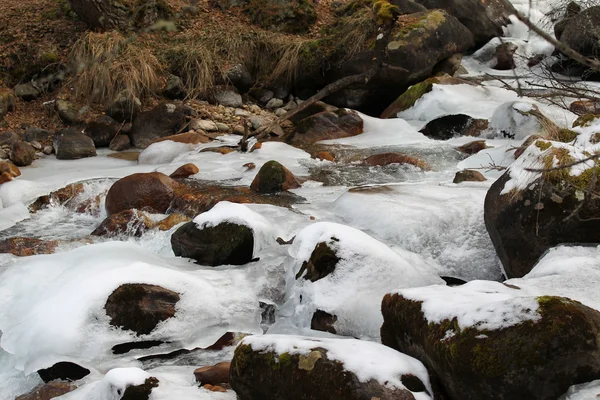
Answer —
7 102
185 171
163 120
484 18
395 158
271 367
37 135
504 56
227 96
174 88
128 222
140 307
581 33
61 197
528 214
23 247
7 138
274 177
103 130
171 221
584 107
63 370
68 112
153 192
314 108
125 107
486 340
240 78
8 171
27 91
449 126
48 391
468 175
120 143
223 244
22 154
213 375
473 147
70 144
141 392
289 16
327 125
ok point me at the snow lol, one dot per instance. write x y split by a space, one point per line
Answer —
484 305
584 391
365 359
225 211
163 152
353 291
111 387
511 120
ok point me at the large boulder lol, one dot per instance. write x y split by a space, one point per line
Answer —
526 213
163 120
21 154
71 144
273 367
102 130
274 177
140 307
7 138
153 191
484 18
125 107
581 32
326 125
290 16
487 340
68 112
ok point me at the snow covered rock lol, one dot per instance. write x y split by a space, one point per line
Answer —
327 125
228 234
163 120
151 191
274 177
526 213
118 384
343 272
273 367
140 307
70 144
519 119
487 340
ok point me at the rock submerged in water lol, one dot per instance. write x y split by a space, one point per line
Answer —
274 177
153 191
140 307
483 341
272 367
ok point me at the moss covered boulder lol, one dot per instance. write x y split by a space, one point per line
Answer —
486 340
140 307
290 16
526 213
151 191
274 367
326 125
222 244
274 177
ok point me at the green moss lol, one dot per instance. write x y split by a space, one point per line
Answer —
566 135
270 178
241 357
408 99
285 359
384 10
49 58
543 145
595 138
585 120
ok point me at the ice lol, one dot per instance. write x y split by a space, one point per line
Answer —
367 360
42 325
163 152
584 391
367 269
483 305
225 211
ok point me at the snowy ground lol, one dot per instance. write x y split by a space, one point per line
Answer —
404 225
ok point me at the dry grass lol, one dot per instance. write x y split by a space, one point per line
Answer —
107 64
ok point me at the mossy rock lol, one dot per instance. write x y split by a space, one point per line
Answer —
224 244
585 120
273 178
553 209
321 263
289 16
267 375
534 359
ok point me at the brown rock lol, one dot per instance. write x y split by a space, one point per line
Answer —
151 191
188 138
22 154
582 107
221 150
126 155
323 321
250 165
128 222
214 388
504 56
8 138
120 143
171 221
185 171
325 156
395 158
473 147
468 175
213 375
327 125
140 307
274 177
60 197
8 171
257 146
48 391
22 247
